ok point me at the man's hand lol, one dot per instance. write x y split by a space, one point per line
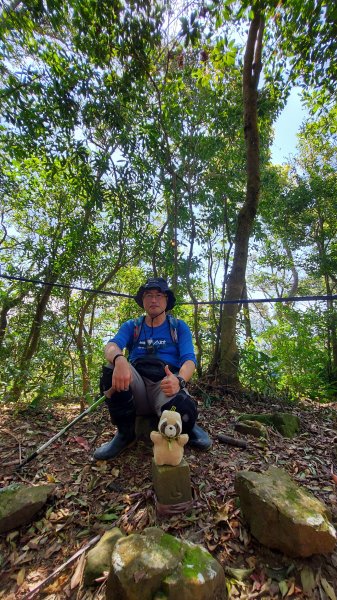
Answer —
122 376
170 384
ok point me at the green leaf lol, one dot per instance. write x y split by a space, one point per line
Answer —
108 517
328 589
238 574
283 587
308 580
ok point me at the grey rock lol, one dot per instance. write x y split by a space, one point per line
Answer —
98 558
253 428
154 564
283 515
19 503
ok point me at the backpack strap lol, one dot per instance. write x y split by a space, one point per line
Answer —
137 327
138 323
173 323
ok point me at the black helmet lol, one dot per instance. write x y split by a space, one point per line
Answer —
156 283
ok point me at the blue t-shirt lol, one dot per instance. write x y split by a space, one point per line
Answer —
160 340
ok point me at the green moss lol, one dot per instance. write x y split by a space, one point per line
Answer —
292 494
266 419
286 424
194 562
194 559
170 543
10 488
301 502
6 495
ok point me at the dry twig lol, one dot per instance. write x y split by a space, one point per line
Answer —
50 577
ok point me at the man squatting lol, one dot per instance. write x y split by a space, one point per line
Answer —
154 377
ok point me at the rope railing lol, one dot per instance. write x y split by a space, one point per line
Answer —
312 298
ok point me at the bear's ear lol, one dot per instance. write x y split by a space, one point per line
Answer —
162 425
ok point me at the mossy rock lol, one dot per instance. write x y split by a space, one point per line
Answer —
254 428
19 503
155 565
98 558
283 515
286 423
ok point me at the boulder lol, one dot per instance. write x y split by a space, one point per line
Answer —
254 428
286 423
283 515
154 565
98 558
19 503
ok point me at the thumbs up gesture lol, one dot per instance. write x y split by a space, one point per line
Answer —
170 384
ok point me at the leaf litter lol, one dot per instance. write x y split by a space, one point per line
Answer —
91 497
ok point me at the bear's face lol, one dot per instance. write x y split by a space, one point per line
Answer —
170 424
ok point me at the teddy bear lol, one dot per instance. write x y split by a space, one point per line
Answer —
168 441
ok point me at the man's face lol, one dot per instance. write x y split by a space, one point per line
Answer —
154 302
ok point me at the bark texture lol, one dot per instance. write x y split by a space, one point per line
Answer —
227 363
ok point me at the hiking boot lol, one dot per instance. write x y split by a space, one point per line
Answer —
198 438
116 446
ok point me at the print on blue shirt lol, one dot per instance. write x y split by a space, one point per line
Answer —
160 340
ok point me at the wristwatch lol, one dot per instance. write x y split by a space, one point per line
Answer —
182 382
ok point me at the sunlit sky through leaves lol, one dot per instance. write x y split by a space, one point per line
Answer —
287 127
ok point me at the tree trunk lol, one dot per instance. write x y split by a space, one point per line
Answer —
8 304
246 315
227 363
294 287
33 339
79 337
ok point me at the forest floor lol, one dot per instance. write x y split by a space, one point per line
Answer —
92 497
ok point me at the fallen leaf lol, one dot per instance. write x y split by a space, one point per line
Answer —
81 441
328 589
21 576
334 477
25 557
36 542
107 517
50 478
283 587
239 574
57 585
52 549
308 580
77 576
94 481
78 479
251 561
244 536
222 515
291 589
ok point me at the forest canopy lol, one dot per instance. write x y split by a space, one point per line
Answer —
136 141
